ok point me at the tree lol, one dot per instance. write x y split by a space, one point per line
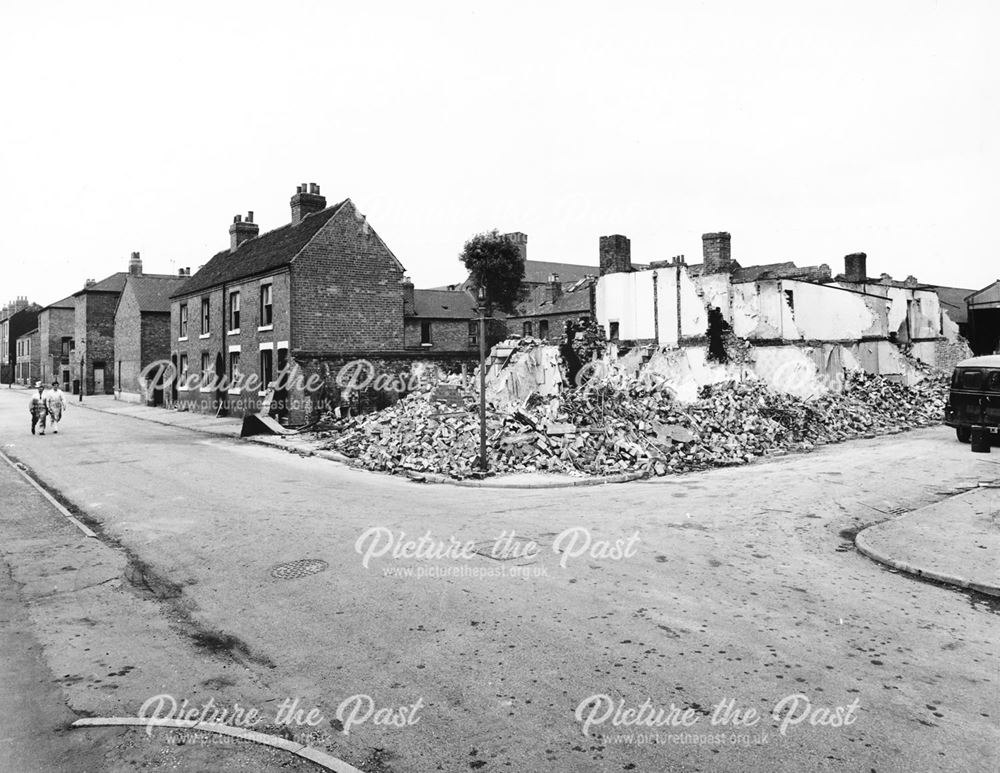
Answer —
496 264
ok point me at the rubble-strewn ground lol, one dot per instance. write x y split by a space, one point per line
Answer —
601 430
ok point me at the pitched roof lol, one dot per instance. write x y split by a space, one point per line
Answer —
575 298
111 284
443 304
259 255
152 292
988 295
538 271
65 303
953 301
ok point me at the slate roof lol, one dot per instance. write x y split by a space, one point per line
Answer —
443 304
65 303
953 301
259 255
111 284
575 298
152 292
538 271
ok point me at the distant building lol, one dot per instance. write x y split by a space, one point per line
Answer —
56 344
984 319
16 318
27 370
142 333
92 369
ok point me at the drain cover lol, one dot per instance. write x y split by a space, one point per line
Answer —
293 570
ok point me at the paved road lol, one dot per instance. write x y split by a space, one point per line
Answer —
742 586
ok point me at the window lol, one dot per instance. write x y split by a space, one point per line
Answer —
182 314
612 331
234 310
790 300
265 306
993 381
183 368
234 366
473 332
425 333
527 329
67 346
206 316
543 329
206 364
266 367
972 379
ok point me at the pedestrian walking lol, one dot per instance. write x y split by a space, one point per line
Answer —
55 404
38 409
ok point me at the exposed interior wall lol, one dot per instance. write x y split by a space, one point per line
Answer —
824 313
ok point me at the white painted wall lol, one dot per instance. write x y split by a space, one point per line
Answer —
628 299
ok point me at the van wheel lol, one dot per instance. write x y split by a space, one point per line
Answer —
964 434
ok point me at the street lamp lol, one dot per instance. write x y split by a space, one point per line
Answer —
483 462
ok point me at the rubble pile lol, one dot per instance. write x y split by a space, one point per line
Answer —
603 430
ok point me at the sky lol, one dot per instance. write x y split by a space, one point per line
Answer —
808 130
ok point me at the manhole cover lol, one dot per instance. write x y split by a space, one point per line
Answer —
293 570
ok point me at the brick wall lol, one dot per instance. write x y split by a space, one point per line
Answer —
447 335
54 325
248 337
346 291
557 324
127 344
95 328
393 369
27 368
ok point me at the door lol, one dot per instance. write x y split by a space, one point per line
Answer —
98 380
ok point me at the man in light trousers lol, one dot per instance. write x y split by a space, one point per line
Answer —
55 404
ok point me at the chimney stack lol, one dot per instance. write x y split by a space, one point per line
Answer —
306 200
409 301
856 267
89 283
616 254
241 230
716 252
519 240
555 288
135 265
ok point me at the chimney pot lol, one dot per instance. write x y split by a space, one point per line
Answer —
240 231
306 201
250 216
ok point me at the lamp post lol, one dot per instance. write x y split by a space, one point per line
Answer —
483 462
83 371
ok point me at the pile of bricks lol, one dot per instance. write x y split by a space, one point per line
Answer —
604 430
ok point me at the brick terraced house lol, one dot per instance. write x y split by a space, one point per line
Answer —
142 333
312 295
26 370
92 366
56 346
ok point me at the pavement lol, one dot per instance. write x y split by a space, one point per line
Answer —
954 541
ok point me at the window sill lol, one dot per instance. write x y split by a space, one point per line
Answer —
203 390
205 335
182 338
263 328
234 332
234 391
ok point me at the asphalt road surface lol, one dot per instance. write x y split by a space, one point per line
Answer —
654 626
